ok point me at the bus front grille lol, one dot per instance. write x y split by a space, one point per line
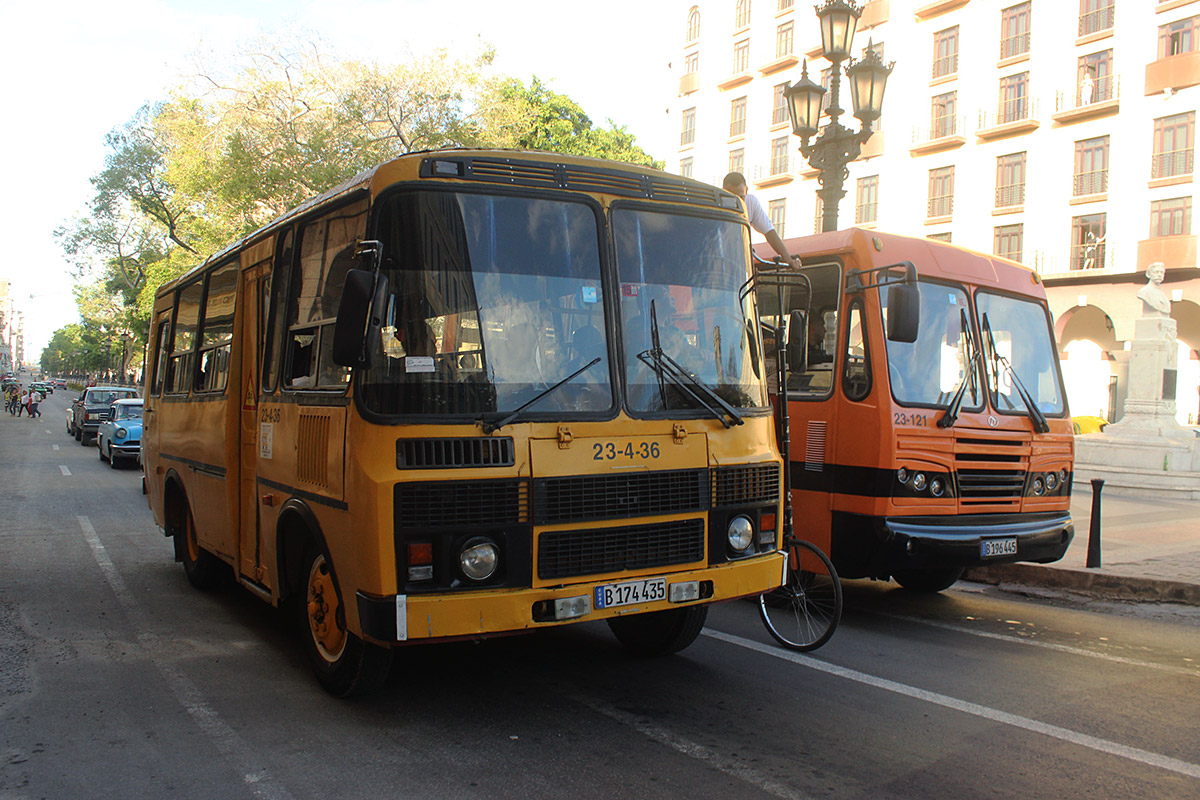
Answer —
461 503
747 484
990 484
567 554
579 498
445 453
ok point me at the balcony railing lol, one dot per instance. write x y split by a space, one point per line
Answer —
1095 21
1017 109
1010 195
1170 164
940 206
947 65
1091 183
1089 256
1014 45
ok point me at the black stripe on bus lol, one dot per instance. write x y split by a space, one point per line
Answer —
199 466
312 497
843 479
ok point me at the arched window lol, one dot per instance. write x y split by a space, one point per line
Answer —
693 28
741 15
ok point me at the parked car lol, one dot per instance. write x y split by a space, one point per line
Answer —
91 407
120 433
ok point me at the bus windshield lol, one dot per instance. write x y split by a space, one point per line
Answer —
494 299
931 370
1021 332
680 278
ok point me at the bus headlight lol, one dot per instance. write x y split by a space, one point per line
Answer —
1051 481
1039 486
740 534
919 480
937 487
479 558
902 475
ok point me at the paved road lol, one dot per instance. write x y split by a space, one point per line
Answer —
117 680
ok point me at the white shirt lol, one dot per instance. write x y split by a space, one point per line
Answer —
758 218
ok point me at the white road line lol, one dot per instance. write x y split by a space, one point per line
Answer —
729 766
56 447
1061 648
1025 723
64 469
225 738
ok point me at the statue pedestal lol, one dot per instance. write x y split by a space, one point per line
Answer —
1150 402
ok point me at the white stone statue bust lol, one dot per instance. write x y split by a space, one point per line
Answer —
1154 300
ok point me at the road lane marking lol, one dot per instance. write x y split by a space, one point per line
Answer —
55 446
1061 648
225 738
730 766
1025 723
64 469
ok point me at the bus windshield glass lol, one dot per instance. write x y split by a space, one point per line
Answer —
493 300
1021 332
931 370
680 277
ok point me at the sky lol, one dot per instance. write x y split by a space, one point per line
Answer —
75 70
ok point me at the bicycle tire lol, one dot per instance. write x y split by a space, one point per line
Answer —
803 613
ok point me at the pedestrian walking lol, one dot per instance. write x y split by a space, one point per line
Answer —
23 402
35 398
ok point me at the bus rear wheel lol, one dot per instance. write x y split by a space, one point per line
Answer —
659 633
344 664
930 580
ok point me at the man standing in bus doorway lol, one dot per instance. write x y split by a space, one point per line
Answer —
735 183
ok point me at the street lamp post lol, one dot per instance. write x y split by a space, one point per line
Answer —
836 145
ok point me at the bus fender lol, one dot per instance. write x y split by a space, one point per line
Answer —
296 530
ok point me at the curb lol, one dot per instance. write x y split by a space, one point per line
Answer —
1109 586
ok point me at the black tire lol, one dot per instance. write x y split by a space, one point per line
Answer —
659 633
78 434
112 461
344 664
930 580
204 570
804 612
100 449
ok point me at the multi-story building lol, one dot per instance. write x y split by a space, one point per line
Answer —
1059 133
9 330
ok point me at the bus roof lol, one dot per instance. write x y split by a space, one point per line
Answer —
933 259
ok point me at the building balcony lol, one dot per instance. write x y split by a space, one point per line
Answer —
781 63
735 80
1083 103
875 13
1173 72
1012 119
1172 251
944 134
773 180
931 10
689 83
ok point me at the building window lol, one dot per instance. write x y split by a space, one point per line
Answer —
737 117
1009 241
1177 37
940 237
866 205
1171 217
1091 166
776 211
1173 138
819 218
1010 180
689 128
693 26
741 15
685 167
1014 30
691 63
941 192
737 160
1095 16
779 155
1014 98
1087 241
942 123
779 112
945 52
783 40
784 5
741 57
1095 74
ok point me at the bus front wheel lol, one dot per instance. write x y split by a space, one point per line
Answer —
659 633
344 664
931 580
203 569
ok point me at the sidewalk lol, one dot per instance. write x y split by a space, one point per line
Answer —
1149 551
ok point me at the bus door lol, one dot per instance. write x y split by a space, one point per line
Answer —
256 284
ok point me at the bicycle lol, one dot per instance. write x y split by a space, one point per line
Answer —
803 613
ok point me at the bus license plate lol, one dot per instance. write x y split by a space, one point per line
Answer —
990 548
625 594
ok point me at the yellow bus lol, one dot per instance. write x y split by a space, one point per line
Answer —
470 393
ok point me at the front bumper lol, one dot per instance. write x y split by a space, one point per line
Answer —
126 449
397 618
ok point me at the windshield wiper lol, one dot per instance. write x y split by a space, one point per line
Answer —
951 414
492 427
1035 414
666 367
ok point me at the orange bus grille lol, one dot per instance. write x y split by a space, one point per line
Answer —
636 494
990 484
461 503
567 554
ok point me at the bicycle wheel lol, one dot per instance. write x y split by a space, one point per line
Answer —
804 612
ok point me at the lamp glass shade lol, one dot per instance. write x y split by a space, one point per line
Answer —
839 18
868 79
803 100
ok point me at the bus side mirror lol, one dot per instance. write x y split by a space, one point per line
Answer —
904 312
797 343
356 332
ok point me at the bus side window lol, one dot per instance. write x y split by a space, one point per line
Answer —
275 314
187 318
856 376
160 353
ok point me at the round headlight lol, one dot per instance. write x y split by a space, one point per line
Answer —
937 487
902 475
1062 476
1051 481
479 558
919 481
740 533
120 433
1039 486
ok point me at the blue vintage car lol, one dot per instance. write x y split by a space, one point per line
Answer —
120 433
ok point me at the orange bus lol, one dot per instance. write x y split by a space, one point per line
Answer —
915 456
471 393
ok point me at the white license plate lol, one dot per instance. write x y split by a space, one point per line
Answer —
630 592
990 548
